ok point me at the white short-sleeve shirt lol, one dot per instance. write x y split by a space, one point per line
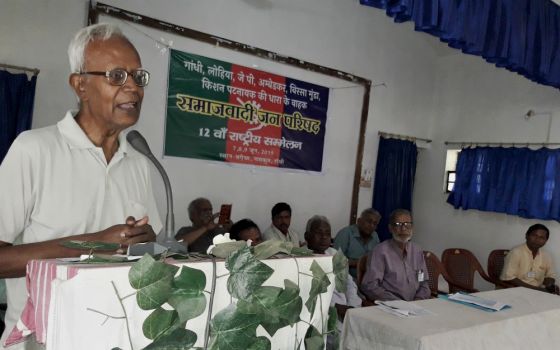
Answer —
272 233
54 182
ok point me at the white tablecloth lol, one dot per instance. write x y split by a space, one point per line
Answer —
533 322
79 289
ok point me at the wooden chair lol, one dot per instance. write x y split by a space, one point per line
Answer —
435 270
361 269
496 260
461 264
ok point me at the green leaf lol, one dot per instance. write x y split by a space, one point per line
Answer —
269 248
319 285
178 339
187 305
333 318
261 343
90 245
188 296
274 307
223 250
158 322
340 269
192 280
313 339
301 251
260 301
232 330
246 273
153 280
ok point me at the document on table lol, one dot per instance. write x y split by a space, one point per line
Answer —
402 308
108 258
471 299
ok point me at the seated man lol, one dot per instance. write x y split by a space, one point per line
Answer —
358 240
396 268
318 237
280 227
198 237
244 230
527 265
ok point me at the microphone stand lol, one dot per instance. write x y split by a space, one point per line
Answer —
169 243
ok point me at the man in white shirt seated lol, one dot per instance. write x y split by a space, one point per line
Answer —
530 266
318 237
280 227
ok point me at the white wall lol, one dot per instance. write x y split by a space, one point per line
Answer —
339 34
476 101
431 92
36 34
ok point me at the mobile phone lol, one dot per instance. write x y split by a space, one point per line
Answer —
225 214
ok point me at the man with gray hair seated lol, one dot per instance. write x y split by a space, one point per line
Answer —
79 179
198 237
358 240
318 237
396 268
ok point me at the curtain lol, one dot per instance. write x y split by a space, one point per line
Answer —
394 179
516 181
520 35
17 94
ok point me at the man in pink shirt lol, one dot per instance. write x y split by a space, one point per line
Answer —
396 268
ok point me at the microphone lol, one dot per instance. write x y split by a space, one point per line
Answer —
138 142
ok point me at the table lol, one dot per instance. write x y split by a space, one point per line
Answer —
533 322
63 295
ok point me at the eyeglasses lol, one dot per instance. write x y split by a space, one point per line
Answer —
405 225
118 76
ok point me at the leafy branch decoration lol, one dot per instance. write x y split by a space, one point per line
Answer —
176 295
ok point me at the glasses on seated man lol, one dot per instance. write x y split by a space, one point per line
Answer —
405 225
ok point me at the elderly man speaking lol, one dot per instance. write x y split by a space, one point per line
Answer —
78 179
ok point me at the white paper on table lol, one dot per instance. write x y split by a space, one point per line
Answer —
402 308
87 256
471 299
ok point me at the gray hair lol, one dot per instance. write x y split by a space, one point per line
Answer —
315 221
398 212
193 206
83 37
370 211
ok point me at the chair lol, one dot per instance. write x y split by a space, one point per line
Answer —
361 269
461 264
436 269
496 260
3 308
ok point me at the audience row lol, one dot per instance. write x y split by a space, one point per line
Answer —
395 268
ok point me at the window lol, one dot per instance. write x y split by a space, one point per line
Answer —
450 181
517 181
450 165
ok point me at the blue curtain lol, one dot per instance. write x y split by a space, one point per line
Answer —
516 181
17 94
520 35
394 179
